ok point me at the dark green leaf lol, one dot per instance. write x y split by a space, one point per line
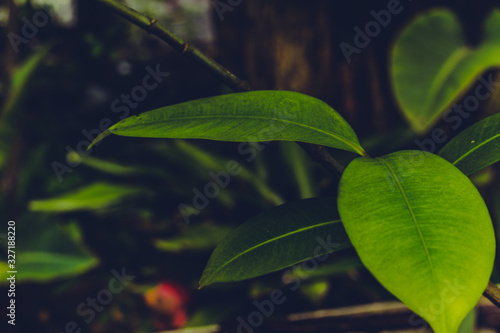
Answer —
475 148
278 238
245 117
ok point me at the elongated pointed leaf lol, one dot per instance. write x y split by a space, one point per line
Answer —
422 229
245 117
95 196
432 66
475 148
45 266
278 238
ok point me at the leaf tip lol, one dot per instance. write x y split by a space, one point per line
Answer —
202 283
99 138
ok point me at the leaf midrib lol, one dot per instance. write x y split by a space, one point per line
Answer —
447 67
476 148
414 219
357 148
48 257
269 241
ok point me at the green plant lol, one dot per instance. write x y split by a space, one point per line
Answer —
417 222
415 219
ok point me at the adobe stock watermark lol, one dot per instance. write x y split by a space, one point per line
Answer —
292 277
31 26
222 178
120 106
448 295
372 29
405 168
92 305
222 6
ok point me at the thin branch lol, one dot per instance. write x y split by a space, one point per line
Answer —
492 293
374 317
321 154
151 26
204 329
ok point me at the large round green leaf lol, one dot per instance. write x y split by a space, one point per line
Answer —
275 239
246 117
432 65
421 227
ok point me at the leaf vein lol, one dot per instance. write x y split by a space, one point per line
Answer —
274 239
414 219
350 143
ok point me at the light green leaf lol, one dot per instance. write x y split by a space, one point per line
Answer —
95 196
301 166
245 117
278 238
46 251
469 323
432 66
105 166
45 266
422 229
22 77
475 148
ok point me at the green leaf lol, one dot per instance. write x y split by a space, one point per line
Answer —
47 251
475 148
422 229
196 237
301 166
432 66
245 117
22 78
92 197
278 238
469 323
45 266
105 166
202 160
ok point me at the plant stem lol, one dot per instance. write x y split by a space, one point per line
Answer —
492 293
186 48
321 154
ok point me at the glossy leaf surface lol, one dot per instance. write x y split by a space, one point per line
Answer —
422 229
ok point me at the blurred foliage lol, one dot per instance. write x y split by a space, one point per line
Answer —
118 206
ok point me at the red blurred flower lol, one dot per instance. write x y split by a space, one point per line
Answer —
169 301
